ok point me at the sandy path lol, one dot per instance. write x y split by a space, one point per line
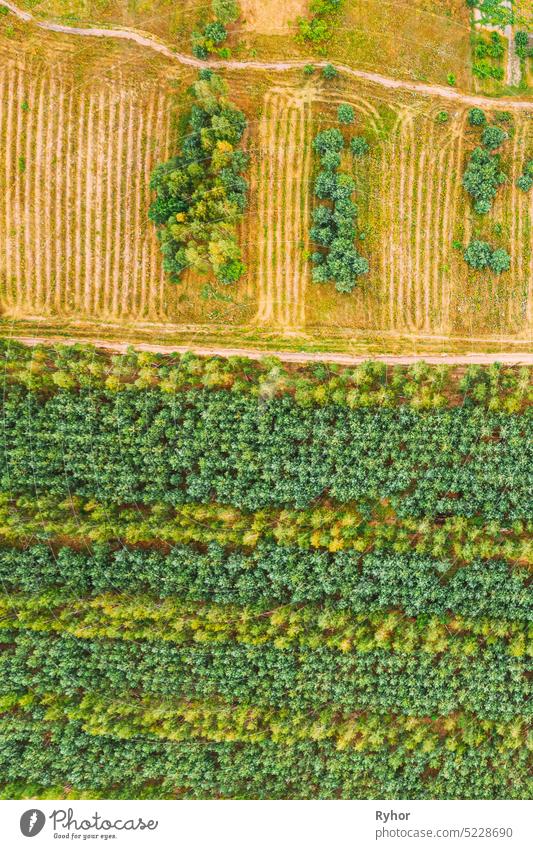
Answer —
152 43
287 356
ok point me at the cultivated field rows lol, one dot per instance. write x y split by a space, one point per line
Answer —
75 194
75 241
414 209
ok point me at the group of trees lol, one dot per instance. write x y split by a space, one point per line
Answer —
257 453
224 578
480 255
270 574
58 758
493 49
334 221
215 33
483 174
85 521
319 27
46 370
200 193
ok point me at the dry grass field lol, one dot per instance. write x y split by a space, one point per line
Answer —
77 152
411 209
82 124
413 39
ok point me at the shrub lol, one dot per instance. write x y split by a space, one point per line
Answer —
451 79
500 261
215 32
442 117
524 182
359 146
309 70
493 137
478 254
346 114
330 160
314 30
225 11
476 117
199 46
329 72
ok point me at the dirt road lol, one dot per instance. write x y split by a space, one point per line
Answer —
517 358
153 43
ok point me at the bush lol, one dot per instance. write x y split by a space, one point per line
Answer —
500 261
524 182
346 114
215 32
225 11
451 79
309 70
493 137
330 160
359 146
478 254
442 117
476 117
329 72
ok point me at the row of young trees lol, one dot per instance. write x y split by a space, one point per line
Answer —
46 369
334 231
271 574
149 447
201 193
329 527
58 755
483 174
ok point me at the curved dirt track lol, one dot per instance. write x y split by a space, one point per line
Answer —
153 44
517 359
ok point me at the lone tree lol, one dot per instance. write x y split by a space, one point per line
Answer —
492 137
477 254
524 182
500 261
359 146
328 140
346 114
329 72
476 117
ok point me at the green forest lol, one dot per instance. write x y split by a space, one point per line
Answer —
237 579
